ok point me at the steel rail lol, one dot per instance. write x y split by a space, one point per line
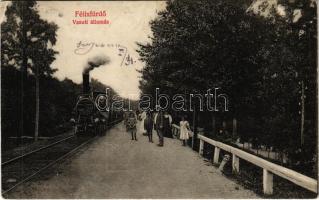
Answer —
45 147
34 151
51 163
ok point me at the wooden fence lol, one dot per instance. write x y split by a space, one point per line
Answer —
269 168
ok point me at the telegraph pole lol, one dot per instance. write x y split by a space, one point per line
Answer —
194 127
302 112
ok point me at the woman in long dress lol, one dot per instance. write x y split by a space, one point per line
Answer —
141 128
184 130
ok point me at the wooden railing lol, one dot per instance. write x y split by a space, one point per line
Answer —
175 130
269 168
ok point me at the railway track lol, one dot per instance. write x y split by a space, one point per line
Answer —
23 168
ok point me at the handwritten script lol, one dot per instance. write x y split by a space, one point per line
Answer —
83 48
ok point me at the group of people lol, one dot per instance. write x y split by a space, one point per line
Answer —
161 122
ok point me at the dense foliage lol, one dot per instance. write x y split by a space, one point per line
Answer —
258 61
31 98
26 42
57 99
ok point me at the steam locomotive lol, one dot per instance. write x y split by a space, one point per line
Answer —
90 116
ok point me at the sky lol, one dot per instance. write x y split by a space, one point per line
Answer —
129 23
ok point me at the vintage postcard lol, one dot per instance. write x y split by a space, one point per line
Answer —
176 99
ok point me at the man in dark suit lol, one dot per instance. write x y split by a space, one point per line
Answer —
148 126
159 125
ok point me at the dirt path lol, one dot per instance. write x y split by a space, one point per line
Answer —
116 167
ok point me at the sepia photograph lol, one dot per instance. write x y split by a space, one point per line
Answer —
174 99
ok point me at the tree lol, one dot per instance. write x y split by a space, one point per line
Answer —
256 60
27 42
201 45
292 36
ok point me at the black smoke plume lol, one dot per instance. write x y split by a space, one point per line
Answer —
95 62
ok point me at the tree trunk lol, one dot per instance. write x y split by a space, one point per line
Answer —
224 124
21 106
224 127
37 105
23 78
214 124
234 127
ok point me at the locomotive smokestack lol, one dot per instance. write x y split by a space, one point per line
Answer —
92 63
86 83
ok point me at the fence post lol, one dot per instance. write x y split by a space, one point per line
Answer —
194 127
216 155
235 164
267 182
201 147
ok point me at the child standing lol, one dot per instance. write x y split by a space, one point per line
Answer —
184 130
131 125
